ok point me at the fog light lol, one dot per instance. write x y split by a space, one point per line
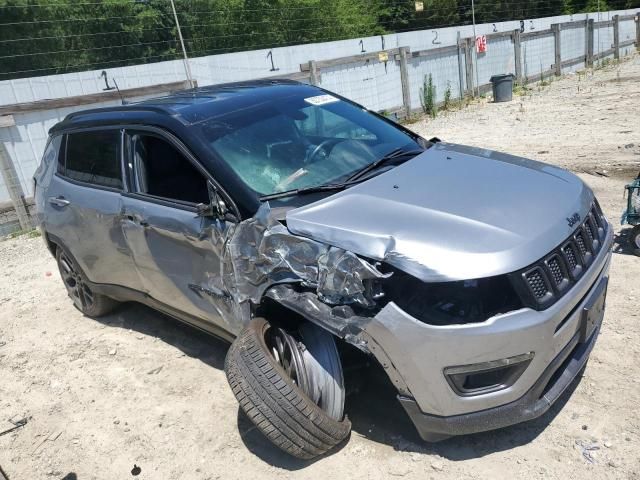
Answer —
486 377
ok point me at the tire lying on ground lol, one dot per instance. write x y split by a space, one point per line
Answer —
290 385
634 240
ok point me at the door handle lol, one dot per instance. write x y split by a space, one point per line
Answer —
59 201
136 219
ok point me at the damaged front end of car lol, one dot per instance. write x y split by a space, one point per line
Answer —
262 259
458 350
359 300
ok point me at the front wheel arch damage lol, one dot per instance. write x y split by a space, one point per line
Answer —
292 391
368 372
351 326
290 280
260 252
352 359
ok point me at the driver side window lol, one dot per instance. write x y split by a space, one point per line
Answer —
161 170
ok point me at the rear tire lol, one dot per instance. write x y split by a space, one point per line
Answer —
84 299
300 411
634 240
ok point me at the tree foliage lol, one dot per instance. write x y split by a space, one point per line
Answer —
39 37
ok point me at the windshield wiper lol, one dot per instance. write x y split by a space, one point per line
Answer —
354 179
301 191
392 155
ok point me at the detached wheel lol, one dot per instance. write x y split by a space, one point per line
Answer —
290 385
634 240
89 303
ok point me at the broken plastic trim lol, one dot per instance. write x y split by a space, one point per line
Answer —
340 320
343 322
263 252
260 252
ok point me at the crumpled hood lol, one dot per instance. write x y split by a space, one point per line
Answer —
451 213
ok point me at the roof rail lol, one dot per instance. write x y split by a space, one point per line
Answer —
259 82
119 108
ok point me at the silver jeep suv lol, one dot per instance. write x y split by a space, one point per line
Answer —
299 225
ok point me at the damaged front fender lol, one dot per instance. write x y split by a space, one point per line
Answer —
344 323
260 252
263 252
263 259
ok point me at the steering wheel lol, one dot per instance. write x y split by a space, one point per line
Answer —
323 147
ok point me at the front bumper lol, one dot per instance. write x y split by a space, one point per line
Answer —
544 392
415 355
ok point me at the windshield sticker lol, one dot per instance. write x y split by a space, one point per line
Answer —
321 100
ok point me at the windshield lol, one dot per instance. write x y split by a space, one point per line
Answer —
298 142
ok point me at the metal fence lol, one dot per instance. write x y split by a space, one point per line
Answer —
383 73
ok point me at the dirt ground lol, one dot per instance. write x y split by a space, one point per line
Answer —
136 389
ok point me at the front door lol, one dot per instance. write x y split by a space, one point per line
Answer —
177 253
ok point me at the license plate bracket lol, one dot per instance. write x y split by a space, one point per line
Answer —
593 310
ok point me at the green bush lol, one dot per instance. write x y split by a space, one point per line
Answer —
428 96
447 97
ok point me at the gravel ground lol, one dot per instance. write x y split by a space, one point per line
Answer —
136 389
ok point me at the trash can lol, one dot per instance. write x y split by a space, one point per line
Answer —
502 87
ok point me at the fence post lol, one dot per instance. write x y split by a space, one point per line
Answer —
637 19
404 78
589 33
314 79
468 64
314 76
555 28
14 188
517 50
460 66
616 37
187 67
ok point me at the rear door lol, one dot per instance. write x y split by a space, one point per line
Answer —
177 253
83 203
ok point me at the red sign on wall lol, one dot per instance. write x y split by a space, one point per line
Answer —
481 44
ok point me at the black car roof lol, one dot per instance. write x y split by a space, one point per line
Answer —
188 106
179 112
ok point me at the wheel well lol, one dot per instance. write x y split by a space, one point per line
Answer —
51 245
353 360
278 314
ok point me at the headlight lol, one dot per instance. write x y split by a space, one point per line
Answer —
450 303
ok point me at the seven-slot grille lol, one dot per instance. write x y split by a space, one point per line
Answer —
548 279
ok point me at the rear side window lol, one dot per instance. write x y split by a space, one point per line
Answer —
94 157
